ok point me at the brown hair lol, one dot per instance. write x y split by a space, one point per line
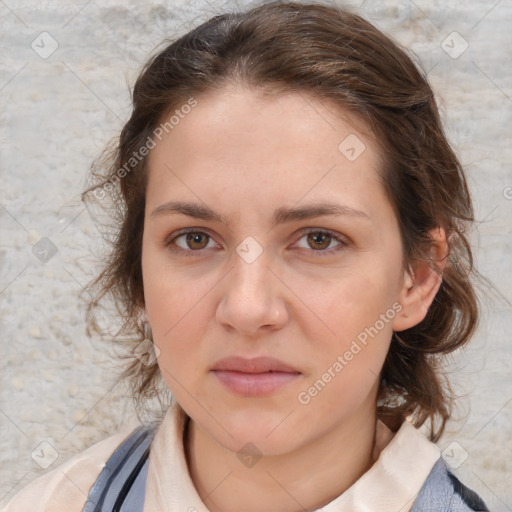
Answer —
337 56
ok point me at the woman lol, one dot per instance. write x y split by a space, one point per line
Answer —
292 256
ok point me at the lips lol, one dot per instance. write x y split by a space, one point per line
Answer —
254 377
256 365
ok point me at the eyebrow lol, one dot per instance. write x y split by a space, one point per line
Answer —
281 215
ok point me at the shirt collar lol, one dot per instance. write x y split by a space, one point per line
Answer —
405 459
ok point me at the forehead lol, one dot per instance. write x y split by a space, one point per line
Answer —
283 146
241 112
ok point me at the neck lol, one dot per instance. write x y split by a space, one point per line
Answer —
305 479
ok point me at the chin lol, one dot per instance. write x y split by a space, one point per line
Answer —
257 433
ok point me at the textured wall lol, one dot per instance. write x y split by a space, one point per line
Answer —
63 87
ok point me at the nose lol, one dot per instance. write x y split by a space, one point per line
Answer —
252 300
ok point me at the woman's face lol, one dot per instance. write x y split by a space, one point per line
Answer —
268 270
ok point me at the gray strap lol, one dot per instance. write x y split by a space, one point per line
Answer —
121 484
134 501
443 492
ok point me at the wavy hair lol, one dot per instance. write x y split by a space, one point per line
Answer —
335 55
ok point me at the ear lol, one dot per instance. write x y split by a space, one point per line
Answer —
421 283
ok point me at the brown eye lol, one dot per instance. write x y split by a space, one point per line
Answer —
319 240
188 242
196 240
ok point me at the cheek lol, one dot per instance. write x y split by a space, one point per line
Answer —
176 329
347 368
358 311
177 309
351 304
169 296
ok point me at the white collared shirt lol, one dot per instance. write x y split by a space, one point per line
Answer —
390 485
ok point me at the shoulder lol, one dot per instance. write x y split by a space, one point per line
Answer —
65 488
444 492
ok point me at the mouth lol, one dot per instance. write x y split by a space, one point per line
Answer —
254 377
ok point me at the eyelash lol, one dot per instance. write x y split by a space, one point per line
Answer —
326 252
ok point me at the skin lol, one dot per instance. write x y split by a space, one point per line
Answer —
245 155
